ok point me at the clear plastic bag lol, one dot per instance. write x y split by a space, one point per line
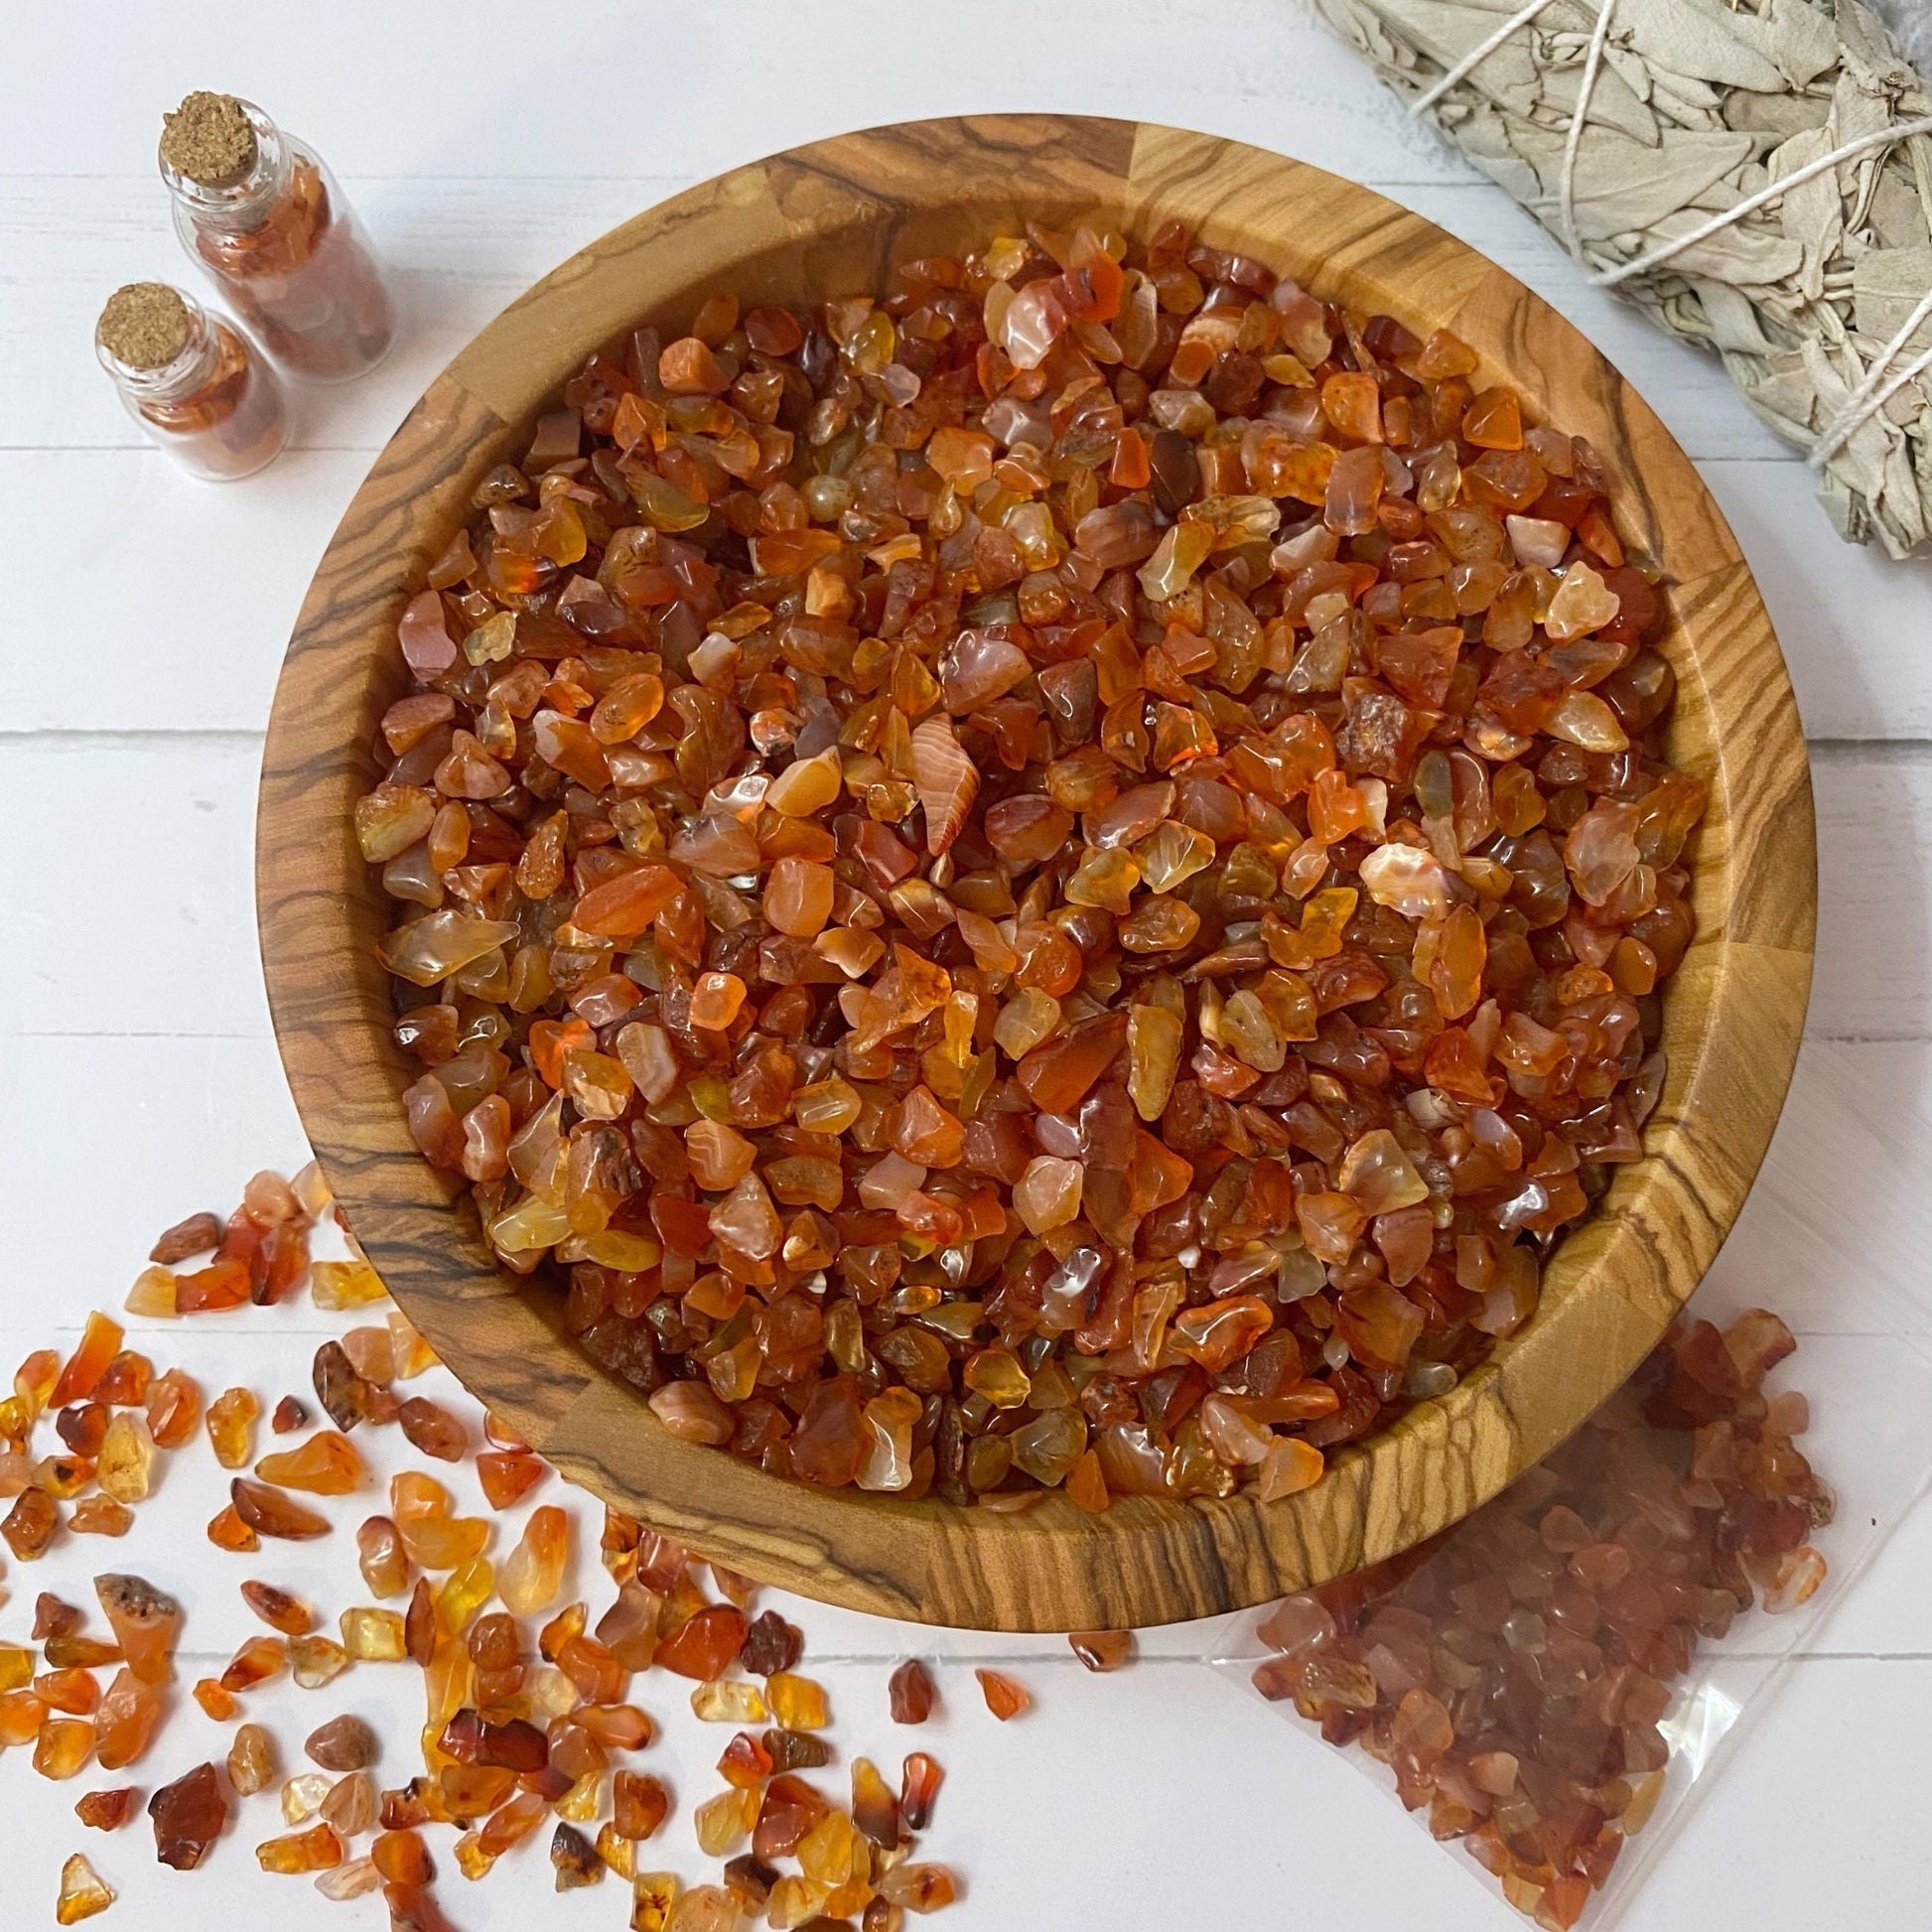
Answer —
1831 1240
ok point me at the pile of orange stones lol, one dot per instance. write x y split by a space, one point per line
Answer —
1057 878
1515 1672
529 1724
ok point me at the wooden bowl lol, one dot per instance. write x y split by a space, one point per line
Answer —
830 218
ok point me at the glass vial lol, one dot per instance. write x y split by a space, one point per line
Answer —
192 383
265 221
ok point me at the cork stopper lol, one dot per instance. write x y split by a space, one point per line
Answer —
209 139
144 326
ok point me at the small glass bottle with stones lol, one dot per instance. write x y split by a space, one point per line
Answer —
262 216
193 383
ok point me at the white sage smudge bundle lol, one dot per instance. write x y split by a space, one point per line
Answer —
1757 173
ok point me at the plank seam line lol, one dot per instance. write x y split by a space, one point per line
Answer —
108 736
1878 749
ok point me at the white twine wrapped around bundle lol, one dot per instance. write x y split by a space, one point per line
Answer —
1757 173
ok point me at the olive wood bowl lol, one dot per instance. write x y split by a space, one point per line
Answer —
830 218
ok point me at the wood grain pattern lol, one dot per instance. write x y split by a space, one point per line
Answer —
831 217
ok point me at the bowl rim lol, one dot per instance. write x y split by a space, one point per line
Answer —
1731 1022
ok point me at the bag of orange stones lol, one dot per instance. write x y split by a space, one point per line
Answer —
1549 1686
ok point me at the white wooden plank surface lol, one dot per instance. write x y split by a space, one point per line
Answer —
138 1077
488 88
